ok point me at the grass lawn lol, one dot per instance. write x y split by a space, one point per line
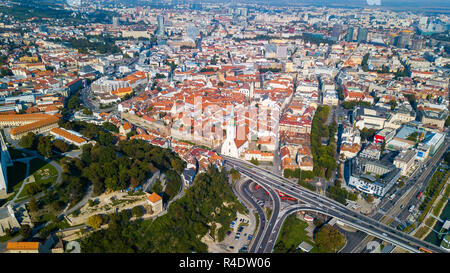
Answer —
44 173
292 234
38 169
268 212
5 238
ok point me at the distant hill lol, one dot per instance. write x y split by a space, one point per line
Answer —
354 3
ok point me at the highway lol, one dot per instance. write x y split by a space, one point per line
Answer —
327 206
260 245
416 184
243 191
397 209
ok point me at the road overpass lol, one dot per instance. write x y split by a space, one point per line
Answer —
326 205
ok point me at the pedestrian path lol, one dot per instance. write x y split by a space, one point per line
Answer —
25 181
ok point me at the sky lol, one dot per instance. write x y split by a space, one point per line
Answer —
353 3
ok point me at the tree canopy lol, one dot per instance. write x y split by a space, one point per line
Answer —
329 239
323 156
209 201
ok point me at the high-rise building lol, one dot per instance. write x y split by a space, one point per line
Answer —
243 12
417 44
404 38
349 35
336 32
192 32
160 30
362 34
75 3
196 6
423 21
115 21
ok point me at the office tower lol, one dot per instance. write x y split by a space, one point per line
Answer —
404 38
192 32
160 30
196 6
362 35
349 35
75 3
417 44
243 12
336 32
423 21
115 21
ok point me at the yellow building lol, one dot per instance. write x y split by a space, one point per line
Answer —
25 123
29 59
24 247
122 92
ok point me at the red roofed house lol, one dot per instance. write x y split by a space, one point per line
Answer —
155 201
125 128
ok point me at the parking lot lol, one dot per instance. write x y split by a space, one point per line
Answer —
240 236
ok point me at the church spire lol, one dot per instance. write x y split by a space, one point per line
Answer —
231 128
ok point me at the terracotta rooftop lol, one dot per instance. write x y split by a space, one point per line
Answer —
154 198
33 121
22 246
67 135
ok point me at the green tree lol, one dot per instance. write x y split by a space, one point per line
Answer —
254 161
25 231
88 112
105 138
393 104
33 205
137 211
209 200
329 239
383 146
110 127
364 63
157 187
95 221
447 157
177 165
44 146
61 145
413 136
235 175
9 232
74 102
111 183
33 188
447 121
28 141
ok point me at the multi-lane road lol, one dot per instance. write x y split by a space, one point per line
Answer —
324 205
243 190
